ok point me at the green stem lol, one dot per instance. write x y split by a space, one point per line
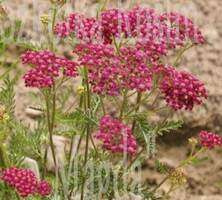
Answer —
51 121
116 45
136 158
179 56
50 129
71 147
138 101
54 17
123 104
103 106
87 110
44 163
2 156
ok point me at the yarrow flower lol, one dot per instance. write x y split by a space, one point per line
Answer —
83 28
116 136
25 182
153 34
44 188
47 67
209 139
104 67
181 89
110 71
166 30
186 27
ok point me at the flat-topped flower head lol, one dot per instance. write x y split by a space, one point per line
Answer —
23 180
164 30
47 67
104 67
110 71
44 189
116 136
185 26
181 89
83 28
209 139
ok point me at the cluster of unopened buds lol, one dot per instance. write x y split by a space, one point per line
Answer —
25 182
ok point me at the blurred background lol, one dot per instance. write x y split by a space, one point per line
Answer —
204 179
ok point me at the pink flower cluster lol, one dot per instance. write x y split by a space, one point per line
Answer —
186 27
84 28
47 67
166 30
129 66
116 136
44 188
136 73
25 182
103 67
210 140
110 71
181 90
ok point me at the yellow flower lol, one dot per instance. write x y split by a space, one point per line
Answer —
193 141
44 19
6 117
81 90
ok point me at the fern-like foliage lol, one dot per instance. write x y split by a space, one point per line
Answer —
147 133
7 95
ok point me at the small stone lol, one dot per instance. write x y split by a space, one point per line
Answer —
32 165
33 112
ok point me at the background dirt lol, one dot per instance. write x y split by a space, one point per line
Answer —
204 180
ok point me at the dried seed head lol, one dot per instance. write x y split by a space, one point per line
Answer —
178 177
